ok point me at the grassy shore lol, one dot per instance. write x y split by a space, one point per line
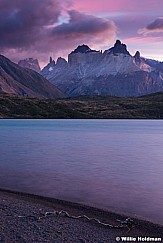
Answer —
83 107
24 219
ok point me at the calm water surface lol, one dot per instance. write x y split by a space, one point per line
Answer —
111 164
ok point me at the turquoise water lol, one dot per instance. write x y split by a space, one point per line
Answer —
111 164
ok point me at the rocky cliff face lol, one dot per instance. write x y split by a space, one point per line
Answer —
113 72
30 63
25 82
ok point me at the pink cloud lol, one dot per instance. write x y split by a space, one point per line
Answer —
120 5
155 27
136 40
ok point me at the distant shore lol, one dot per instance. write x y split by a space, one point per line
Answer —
82 107
30 218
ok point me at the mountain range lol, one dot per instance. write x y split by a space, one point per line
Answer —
25 82
112 72
96 77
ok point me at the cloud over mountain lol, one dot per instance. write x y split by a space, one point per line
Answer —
82 27
35 28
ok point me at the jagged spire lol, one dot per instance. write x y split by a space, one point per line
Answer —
51 59
137 57
119 48
118 43
137 54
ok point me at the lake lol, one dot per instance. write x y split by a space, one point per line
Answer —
111 164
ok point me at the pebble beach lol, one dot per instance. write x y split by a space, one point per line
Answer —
26 218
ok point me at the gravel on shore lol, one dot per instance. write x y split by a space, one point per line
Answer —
23 219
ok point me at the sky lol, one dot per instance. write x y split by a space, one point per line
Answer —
44 28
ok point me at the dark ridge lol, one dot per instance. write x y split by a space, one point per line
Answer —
83 49
61 62
26 82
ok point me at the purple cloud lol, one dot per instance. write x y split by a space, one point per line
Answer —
22 22
81 23
83 28
33 28
155 26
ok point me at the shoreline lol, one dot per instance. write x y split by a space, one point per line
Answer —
24 209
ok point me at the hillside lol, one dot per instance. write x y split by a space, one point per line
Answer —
146 107
25 82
